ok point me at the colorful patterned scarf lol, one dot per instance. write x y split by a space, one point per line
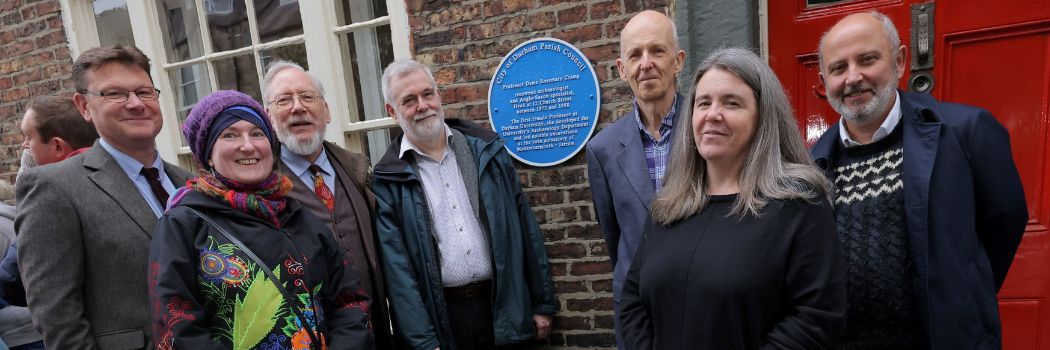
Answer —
264 200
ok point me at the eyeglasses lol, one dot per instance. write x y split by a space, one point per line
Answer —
121 96
285 101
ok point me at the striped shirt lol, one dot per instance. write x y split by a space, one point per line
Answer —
657 152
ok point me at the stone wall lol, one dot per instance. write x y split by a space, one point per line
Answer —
34 60
463 42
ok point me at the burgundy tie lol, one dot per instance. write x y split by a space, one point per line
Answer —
153 177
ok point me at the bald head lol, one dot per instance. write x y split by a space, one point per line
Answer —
649 23
650 58
871 21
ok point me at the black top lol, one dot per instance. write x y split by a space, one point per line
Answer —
713 281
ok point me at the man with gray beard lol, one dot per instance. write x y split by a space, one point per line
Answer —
928 203
328 180
464 260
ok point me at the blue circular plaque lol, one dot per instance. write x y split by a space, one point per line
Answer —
544 101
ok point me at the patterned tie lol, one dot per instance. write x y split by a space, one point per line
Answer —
323 192
153 177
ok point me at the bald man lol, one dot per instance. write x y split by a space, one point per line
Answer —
630 155
929 205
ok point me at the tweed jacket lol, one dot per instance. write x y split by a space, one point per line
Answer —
84 233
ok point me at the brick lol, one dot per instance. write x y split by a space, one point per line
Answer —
613 29
29 13
604 286
565 287
414 6
565 250
11 18
473 92
54 22
561 215
492 8
572 322
584 232
572 15
484 31
603 10
9 5
598 249
431 5
590 340
511 6
604 321
514 24
46 87
39 59
48 7
543 21
445 75
602 52
27 75
443 37
559 269
7 36
10 66
585 268
6 83
32 28
51 39
14 95
580 195
580 34
545 197
605 303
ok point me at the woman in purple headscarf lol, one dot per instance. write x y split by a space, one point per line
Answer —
235 263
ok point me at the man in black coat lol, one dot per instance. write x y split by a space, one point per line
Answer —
928 202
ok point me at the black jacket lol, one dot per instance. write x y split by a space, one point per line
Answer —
207 294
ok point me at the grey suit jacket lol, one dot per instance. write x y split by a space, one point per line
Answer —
84 233
622 189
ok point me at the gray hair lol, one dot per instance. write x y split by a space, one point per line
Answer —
888 29
777 165
279 65
400 68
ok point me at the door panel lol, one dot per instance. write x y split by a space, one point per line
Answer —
995 55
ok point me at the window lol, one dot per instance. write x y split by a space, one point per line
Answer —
200 46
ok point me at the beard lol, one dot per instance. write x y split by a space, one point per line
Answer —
292 143
863 114
429 129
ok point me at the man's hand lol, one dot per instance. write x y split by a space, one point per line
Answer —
543 325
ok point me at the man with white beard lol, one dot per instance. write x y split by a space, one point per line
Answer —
463 256
328 180
928 202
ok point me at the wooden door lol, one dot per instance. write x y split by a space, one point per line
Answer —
995 55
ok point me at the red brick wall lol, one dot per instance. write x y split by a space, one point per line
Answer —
34 60
463 42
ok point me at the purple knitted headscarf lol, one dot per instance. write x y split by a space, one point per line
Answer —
199 123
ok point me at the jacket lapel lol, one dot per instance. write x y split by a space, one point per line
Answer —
356 194
104 171
632 160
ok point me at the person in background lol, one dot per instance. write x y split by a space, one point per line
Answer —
464 261
54 130
237 264
16 324
627 160
740 251
327 180
929 204
84 224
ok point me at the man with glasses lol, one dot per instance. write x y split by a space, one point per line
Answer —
85 224
328 180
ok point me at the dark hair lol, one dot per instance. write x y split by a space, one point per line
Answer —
57 116
95 57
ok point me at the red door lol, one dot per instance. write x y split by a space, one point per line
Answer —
990 54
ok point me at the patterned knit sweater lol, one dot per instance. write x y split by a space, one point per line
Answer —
869 213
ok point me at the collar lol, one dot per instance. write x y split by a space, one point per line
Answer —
884 130
407 145
78 151
299 165
130 166
667 121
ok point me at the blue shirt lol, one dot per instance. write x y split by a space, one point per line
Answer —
300 167
133 169
657 152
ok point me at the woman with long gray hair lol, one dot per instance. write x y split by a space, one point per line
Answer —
740 251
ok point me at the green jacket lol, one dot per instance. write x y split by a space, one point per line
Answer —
521 276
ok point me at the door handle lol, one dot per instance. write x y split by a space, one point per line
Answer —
922 42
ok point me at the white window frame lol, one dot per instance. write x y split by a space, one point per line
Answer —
325 56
